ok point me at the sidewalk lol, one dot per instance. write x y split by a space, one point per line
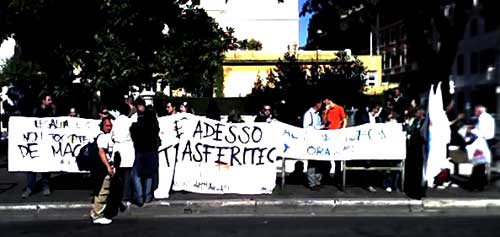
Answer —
69 189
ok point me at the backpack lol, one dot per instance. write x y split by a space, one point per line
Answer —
88 155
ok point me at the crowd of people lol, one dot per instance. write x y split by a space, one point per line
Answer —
128 143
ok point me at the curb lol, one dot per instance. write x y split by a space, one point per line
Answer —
429 203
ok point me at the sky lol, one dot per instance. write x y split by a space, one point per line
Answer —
303 22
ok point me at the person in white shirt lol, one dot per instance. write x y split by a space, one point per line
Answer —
124 148
483 129
312 120
103 173
485 126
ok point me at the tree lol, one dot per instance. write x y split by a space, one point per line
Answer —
421 18
114 43
342 79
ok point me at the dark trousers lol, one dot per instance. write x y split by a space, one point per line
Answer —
478 178
31 180
127 183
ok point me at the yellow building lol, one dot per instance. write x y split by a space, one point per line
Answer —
242 68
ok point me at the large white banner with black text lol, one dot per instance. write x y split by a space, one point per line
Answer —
216 157
203 155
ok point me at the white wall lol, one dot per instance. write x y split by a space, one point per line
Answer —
275 25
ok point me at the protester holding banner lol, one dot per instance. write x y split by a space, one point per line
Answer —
366 115
312 120
186 108
46 109
144 134
265 115
102 174
171 108
334 118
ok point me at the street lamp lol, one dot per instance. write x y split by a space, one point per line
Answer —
318 32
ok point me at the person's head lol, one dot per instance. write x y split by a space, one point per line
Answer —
46 100
374 108
234 117
124 109
106 125
103 112
266 110
299 166
479 109
397 92
316 104
129 100
140 104
419 113
171 107
185 107
328 102
72 112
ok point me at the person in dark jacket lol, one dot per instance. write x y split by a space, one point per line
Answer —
146 141
46 109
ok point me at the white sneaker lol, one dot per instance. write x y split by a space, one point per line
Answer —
26 193
371 189
388 189
102 221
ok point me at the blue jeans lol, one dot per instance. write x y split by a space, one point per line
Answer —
142 186
31 180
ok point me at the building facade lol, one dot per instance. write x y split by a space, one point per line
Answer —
275 24
242 68
475 72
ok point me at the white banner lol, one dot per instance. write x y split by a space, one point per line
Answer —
167 152
206 156
376 141
48 144
216 157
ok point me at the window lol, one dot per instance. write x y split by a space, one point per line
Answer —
460 64
474 63
473 27
486 59
402 30
382 39
371 78
395 57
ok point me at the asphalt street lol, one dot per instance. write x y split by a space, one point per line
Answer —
261 226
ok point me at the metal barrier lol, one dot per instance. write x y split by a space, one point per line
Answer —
400 167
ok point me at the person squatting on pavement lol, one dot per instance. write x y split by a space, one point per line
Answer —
102 175
46 109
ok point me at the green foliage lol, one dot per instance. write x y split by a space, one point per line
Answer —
196 46
251 44
115 43
341 79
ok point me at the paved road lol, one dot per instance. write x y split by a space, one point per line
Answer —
260 226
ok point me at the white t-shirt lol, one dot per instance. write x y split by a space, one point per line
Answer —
485 126
105 142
